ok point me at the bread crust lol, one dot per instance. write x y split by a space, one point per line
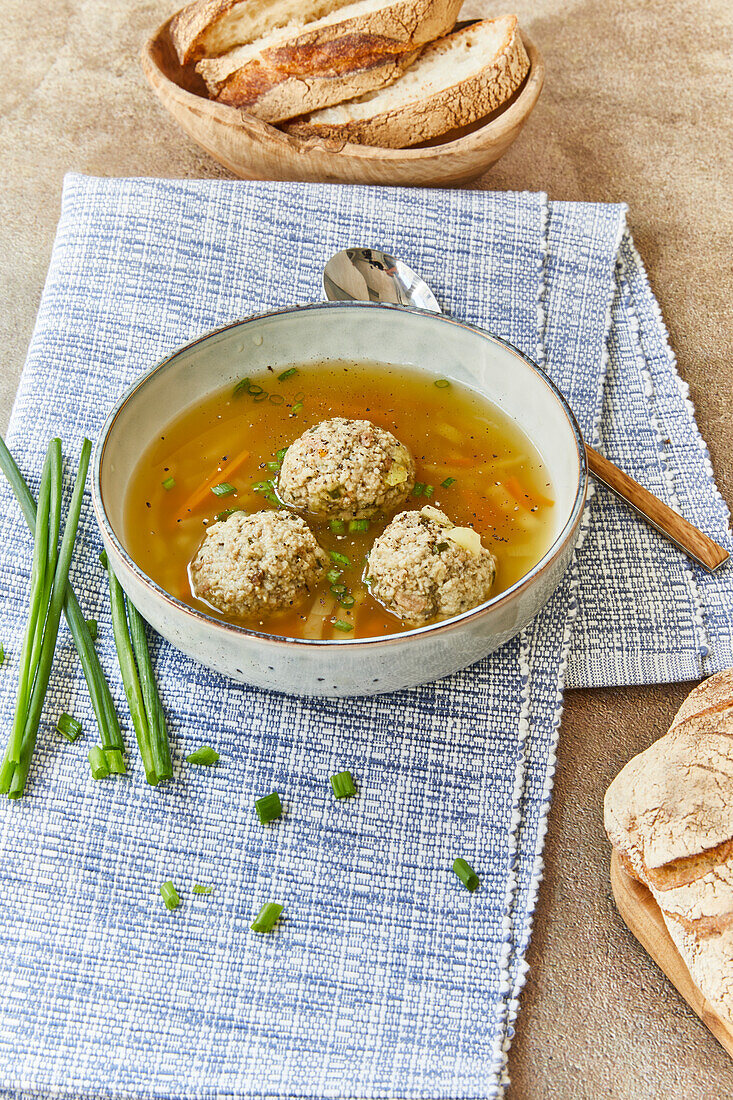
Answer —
274 95
710 962
208 28
447 109
675 800
711 696
669 815
327 61
188 28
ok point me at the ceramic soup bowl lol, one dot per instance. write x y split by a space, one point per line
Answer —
429 342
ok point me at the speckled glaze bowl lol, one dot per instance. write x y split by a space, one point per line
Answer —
430 342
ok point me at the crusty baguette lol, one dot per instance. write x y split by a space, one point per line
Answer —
209 28
669 816
456 80
357 48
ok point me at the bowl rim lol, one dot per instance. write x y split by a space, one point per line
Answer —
554 550
516 113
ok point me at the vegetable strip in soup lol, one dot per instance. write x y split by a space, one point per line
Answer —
453 451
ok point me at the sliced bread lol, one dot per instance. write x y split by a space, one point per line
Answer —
209 28
669 816
457 80
363 46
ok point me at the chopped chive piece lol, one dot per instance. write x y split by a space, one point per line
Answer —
466 874
2 655
254 391
341 625
337 526
333 575
98 762
263 486
419 489
170 895
242 387
346 600
428 490
280 455
441 547
269 808
334 493
297 407
221 516
272 499
277 399
169 483
199 889
267 917
93 629
222 490
339 589
442 383
115 761
204 756
343 785
69 727
273 466
103 559
448 482
261 396
287 374
358 524
340 559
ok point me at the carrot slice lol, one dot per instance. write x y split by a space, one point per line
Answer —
460 460
525 498
200 494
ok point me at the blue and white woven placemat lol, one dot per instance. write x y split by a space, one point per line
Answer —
385 979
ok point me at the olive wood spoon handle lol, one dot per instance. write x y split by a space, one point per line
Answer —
668 522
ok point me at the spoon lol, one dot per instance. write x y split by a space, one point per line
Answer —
369 275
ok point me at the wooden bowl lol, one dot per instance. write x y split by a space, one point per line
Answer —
253 149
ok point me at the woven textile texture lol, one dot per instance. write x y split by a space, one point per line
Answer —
385 979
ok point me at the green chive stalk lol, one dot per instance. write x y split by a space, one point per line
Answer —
126 658
52 546
153 707
109 726
51 629
38 611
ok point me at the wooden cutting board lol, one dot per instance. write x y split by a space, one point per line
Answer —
644 920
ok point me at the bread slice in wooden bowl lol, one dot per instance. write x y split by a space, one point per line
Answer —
456 80
353 50
209 28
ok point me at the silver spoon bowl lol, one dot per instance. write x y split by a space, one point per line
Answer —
370 275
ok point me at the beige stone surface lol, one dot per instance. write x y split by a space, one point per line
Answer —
637 107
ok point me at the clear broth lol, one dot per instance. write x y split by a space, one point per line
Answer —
501 485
